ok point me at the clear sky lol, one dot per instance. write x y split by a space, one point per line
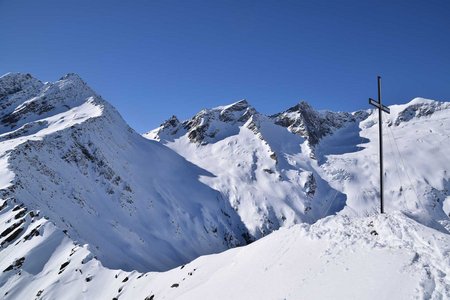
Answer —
152 59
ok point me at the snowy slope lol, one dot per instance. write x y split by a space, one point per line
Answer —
341 149
263 169
302 165
378 257
138 205
416 162
88 206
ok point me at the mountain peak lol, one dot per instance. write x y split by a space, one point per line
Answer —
11 83
73 79
165 130
16 75
416 108
304 120
26 100
300 107
172 121
236 106
71 75
420 100
207 126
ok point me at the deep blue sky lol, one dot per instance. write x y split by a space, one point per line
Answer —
152 59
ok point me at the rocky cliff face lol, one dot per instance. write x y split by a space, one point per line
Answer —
303 120
207 126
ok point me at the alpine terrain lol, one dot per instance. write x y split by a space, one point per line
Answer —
230 204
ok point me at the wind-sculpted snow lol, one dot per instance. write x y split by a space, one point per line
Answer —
378 257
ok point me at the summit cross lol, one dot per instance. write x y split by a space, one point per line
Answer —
386 109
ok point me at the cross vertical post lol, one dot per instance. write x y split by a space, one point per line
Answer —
386 109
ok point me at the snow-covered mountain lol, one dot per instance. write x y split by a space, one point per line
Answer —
91 209
262 168
301 165
68 154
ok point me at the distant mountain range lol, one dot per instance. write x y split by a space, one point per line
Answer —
88 206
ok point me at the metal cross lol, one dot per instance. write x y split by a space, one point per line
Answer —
386 109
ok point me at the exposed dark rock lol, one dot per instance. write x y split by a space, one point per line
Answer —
14 83
227 114
310 185
63 266
20 214
171 123
269 171
17 207
248 238
16 265
32 107
11 228
34 214
419 110
273 156
33 233
303 120
199 129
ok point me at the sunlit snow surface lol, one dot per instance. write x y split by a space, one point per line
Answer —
416 162
137 204
83 196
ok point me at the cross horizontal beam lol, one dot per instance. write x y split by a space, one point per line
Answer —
377 105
